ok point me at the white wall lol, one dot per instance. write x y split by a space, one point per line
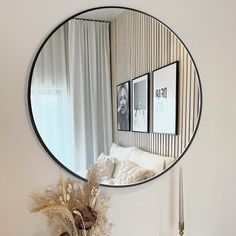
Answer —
208 30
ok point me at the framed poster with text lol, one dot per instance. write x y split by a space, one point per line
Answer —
165 82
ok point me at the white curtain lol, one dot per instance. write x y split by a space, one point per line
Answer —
49 99
71 93
89 56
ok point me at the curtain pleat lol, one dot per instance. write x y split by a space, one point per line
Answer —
73 69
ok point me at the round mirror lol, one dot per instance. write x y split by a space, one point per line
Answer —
116 87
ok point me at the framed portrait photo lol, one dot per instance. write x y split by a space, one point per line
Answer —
165 82
123 106
140 88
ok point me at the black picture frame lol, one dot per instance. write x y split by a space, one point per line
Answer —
140 103
123 106
165 97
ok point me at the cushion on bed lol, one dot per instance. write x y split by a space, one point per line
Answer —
120 153
147 160
106 180
108 165
129 172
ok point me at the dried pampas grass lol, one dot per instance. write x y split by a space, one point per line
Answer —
72 207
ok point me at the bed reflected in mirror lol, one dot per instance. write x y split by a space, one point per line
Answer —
93 95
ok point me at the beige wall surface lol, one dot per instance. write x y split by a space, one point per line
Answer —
207 28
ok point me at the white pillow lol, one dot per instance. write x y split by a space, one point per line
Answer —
147 160
107 163
168 161
129 173
120 153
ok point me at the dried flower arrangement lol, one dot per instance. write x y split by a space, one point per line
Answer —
75 210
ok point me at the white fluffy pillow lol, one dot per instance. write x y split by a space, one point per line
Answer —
120 153
147 160
108 164
129 173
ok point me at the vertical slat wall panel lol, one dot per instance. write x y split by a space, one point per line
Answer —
139 45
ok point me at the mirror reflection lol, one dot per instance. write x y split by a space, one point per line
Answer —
92 95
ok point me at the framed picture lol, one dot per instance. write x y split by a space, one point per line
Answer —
165 82
123 106
140 101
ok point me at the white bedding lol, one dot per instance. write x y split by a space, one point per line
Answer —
127 165
134 164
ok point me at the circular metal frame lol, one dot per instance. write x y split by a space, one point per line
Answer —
31 113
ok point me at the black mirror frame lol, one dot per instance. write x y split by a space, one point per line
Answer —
31 113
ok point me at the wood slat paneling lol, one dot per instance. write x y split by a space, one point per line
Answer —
139 45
